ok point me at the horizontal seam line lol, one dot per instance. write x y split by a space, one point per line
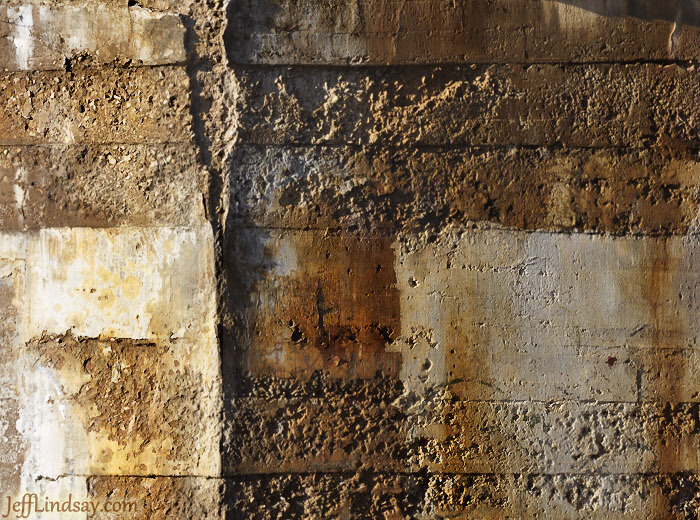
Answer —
689 148
422 472
466 146
441 402
451 63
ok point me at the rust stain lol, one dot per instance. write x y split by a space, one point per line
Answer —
325 311
665 373
337 313
659 292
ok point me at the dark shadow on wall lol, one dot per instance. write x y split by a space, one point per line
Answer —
682 12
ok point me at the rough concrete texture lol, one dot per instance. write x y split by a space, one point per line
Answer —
370 259
575 106
100 185
95 106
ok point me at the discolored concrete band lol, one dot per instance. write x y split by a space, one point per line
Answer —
44 37
410 190
381 32
100 186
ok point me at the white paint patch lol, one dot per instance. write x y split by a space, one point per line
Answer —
81 35
18 190
130 283
285 257
517 315
22 21
56 440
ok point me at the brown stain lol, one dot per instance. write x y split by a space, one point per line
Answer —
379 31
603 191
439 31
470 442
475 442
665 373
131 397
453 428
660 293
455 31
336 313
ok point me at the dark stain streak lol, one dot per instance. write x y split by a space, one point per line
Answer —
321 311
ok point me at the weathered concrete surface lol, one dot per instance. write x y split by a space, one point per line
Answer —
78 280
351 259
159 498
13 272
578 294
110 360
345 32
586 106
324 425
132 406
520 353
428 497
360 428
113 105
155 296
311 310
614 191
100 186
143 397
43 37
533 320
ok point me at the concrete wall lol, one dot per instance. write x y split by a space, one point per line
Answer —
110 361
378 259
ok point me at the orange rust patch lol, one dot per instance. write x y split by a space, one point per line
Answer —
336 312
